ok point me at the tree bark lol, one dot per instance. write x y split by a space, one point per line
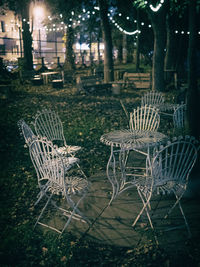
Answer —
192 121
106 32
158 20
138 43
26 37
171 49
124 51
69 64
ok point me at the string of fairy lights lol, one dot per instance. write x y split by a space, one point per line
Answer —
75 21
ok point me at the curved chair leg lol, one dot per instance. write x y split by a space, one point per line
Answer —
177 201
45 206
178 198
186 223
145 204
75 210
112 178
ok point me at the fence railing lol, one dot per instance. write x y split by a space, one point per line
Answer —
12 48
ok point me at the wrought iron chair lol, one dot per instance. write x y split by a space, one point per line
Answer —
152 98
144 118
29 137
179 116
48 124
55 180
168 172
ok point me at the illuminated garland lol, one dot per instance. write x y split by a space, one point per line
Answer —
87 14
156 9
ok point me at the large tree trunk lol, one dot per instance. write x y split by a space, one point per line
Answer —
106 32
69 64
124 51
158 20
171 50
192 94
27 38
137 64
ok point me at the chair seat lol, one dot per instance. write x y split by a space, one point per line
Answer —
169 187
166 187
76 185
70 161
68 149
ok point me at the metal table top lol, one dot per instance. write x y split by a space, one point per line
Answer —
165 106
132 139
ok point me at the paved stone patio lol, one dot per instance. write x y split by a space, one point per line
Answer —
112 224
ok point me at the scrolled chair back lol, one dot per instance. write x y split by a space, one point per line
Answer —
144 118
48 124
49 165
173 162
152 98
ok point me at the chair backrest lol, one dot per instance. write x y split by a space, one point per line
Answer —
26 131
49 166
174 162
48 124
144 118
179 116
152 98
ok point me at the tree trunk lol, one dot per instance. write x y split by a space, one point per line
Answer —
158 20
124 51
69 64
192 94
138 43
106 32
120 53
27 38
171 50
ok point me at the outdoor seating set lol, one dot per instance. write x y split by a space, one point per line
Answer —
167 163
166 167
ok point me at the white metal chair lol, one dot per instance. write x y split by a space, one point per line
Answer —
167 173
179 116
54 179
48 124
144 118
152 98
29 137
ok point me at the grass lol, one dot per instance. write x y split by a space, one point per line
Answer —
85 119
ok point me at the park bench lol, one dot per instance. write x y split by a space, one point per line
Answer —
137 80
91 84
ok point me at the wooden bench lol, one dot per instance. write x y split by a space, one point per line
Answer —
137 80
37 80
57 83
89 84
